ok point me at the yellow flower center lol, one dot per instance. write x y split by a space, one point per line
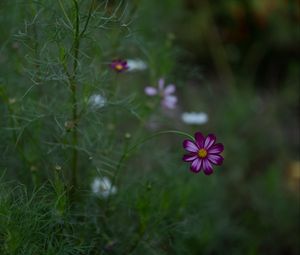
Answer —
202 153
118 67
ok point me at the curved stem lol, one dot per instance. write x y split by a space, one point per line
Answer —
126 153
158 134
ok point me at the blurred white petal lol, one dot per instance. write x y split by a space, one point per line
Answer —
102 187
136 65
97 101
197 118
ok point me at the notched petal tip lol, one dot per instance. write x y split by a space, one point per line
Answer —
209 141
215 159
216 148
199 138
211 136
207 167
194 171
195 168
208 172
190 146
198 133
189 157
196 165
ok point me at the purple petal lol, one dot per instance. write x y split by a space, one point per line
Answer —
215 159
119 65
207 167
169 102
189 157
161 83
209 141
150 91
196 165
169 89
190 146
216 149
199 139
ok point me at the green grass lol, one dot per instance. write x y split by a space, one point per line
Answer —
55 54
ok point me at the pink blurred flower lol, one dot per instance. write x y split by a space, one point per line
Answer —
119 65
168 99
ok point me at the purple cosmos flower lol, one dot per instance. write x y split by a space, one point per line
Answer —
119 65
166 93
203 153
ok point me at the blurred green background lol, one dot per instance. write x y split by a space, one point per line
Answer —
236 60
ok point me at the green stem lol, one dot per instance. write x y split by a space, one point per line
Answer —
73 85
127 152
158 134
134 147
124 156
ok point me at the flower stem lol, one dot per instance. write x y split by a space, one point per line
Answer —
158 134
127 150
124 156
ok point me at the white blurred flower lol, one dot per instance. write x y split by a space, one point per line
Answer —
102 187
197 118
12 100
97 101
136 65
